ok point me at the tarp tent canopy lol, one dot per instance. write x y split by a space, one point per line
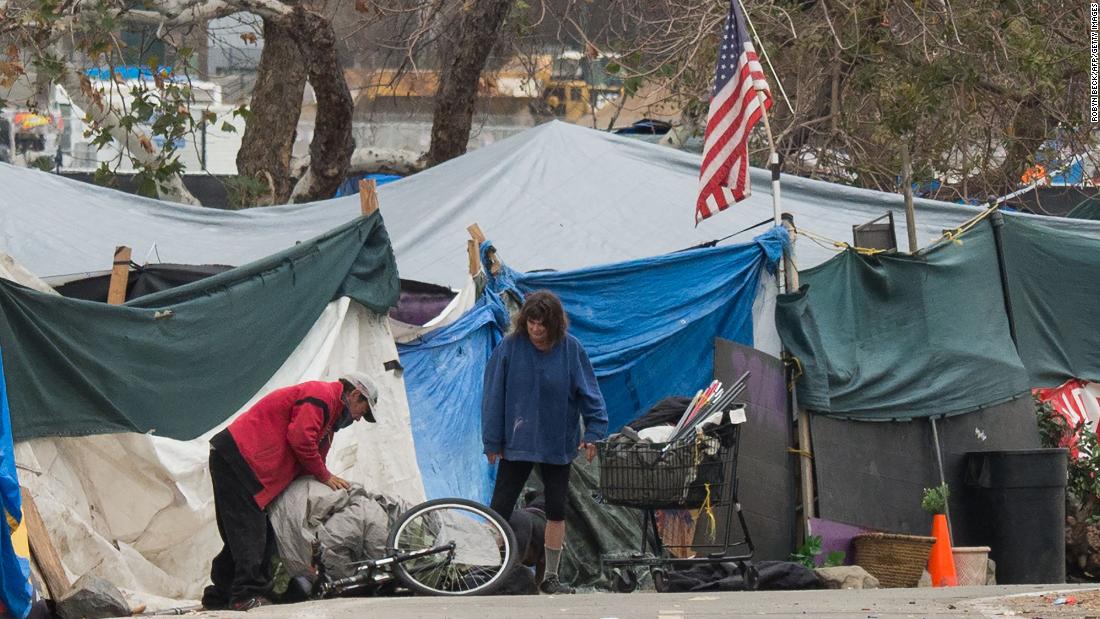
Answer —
647 325
151 381
557 196
172 362
899 336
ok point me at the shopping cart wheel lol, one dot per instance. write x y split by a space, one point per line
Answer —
751 575
624 580
660 579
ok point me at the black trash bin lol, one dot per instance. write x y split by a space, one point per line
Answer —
1021 502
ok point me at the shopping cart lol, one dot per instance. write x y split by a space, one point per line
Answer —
695 472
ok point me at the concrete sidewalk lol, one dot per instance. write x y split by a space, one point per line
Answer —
997 601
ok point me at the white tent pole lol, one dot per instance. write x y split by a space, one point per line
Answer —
773 159
788 278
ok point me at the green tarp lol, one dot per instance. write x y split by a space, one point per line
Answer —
179 362
1089 209
1054 280
898 336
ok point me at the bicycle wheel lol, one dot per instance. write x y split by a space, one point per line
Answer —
484 548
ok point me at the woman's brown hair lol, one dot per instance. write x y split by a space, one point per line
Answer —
545 307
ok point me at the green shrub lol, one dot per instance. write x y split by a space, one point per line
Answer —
935 499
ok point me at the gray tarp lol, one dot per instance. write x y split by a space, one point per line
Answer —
557 196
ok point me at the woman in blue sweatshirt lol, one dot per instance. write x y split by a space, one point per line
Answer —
538 385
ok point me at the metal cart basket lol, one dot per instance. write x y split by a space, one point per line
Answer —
696 472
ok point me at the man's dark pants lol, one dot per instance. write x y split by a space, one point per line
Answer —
241 570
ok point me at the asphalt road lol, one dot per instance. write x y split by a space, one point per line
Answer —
869 604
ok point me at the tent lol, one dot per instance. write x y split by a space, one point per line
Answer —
648 326
889 337
115 404
899 339
557 196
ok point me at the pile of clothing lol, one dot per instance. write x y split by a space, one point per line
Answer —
350 525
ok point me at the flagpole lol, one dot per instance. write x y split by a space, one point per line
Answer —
773 158
788 279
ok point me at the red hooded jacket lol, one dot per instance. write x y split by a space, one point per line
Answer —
288 434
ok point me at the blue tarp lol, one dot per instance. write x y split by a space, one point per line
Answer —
350 186
15 571
443 379
648 326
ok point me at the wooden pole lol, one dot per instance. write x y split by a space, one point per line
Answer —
478 238
907 191
368 196
805 448
43 551
120 276
471 254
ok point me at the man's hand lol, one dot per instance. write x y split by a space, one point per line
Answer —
337 483
493 458
589 450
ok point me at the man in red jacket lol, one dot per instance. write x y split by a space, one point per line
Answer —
285 435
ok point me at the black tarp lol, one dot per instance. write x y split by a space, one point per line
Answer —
766 470
143 280
872 473
419 302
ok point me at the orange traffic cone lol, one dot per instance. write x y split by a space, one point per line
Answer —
941 561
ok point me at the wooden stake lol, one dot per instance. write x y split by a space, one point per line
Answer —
120 276
475 233
43 551
805 450
471 253
478 238
368 196
907 187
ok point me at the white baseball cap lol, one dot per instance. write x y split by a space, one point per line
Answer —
366 386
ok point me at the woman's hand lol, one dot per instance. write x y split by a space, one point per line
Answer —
493 458
589 450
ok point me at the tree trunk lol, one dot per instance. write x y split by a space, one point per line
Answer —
276 105
454 100
330 150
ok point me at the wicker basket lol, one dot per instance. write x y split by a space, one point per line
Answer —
895 560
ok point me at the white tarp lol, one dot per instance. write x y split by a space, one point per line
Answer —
13 271
557 196
137 510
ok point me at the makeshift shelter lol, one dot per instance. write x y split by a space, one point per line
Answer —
969 325
114 404
555 197
648 326
888 337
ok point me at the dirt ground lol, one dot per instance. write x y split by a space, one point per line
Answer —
1067 604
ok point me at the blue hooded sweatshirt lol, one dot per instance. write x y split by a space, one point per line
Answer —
533 401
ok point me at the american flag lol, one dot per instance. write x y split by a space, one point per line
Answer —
734 110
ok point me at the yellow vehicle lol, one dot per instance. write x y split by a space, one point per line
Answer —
568 86
578 85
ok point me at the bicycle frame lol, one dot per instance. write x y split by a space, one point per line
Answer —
372 573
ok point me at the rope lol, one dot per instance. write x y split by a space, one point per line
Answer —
706 509
838 245
797 373
767 59
953 235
